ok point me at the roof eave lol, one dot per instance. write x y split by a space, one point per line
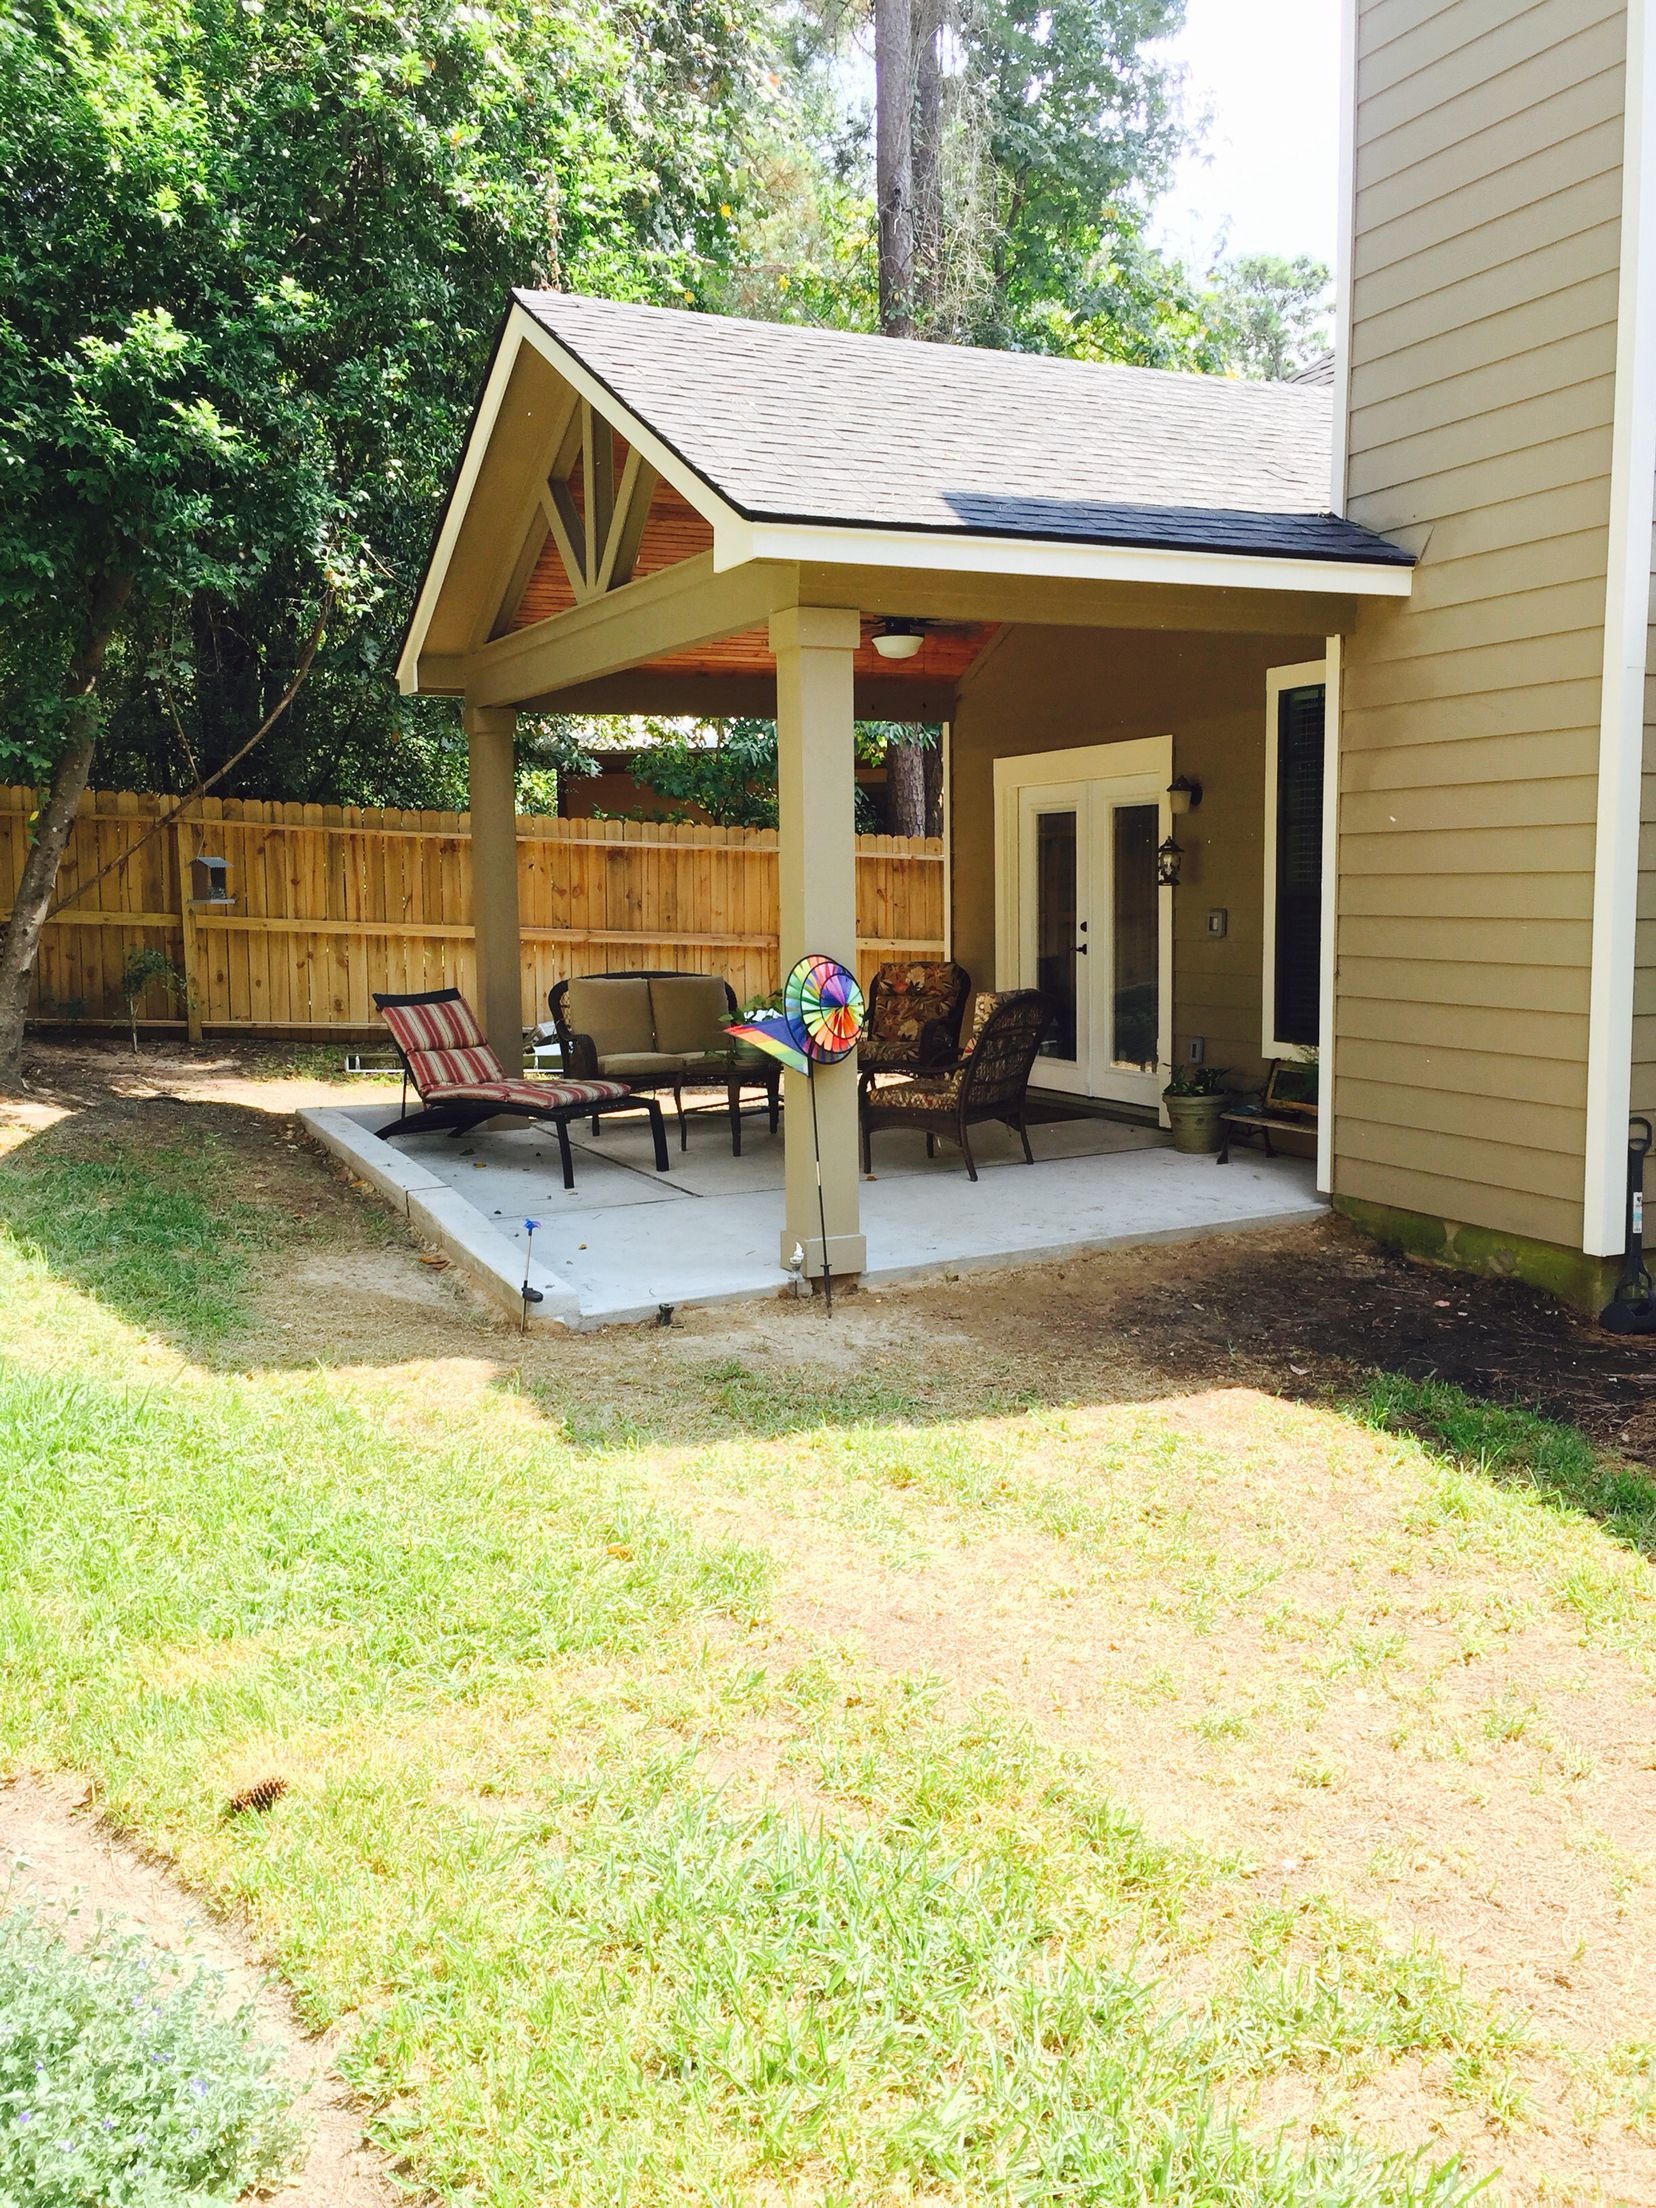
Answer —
737 541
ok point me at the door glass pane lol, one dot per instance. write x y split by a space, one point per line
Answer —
1055 927
1135 977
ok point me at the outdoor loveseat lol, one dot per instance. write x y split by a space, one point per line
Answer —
656 1029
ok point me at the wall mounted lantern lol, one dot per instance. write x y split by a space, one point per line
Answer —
1183 795
1169 860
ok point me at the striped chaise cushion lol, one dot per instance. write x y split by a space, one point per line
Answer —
543 1096
443 1044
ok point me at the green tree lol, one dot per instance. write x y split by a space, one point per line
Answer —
1040 135
251 254
1272 315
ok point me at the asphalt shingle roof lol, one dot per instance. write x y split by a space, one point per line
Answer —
808 425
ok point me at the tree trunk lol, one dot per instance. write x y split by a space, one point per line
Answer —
20 944
928 164
894 161
932 762
906 789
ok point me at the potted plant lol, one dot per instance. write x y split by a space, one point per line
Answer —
1195 1096
744 1054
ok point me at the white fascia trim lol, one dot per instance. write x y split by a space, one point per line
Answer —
1626 625
408 661
1278 679
1346 222
665 461
927 553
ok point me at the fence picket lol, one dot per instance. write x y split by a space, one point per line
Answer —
332 903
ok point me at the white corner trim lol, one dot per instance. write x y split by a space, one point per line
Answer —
1626 627
1328 1002
1278 679
941 552
1346 231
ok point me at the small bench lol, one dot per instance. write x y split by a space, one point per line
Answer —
1288 1106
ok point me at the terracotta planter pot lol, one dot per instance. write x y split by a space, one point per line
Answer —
1195 1123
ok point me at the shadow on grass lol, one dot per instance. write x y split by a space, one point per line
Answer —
164 1210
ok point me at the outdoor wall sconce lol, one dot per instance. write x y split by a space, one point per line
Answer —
898 639
1169 859
1183 795
210 880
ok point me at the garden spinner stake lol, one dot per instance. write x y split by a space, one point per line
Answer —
530 1295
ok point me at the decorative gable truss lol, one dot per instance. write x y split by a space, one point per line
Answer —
592 503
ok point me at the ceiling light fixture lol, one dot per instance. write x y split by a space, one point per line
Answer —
898 639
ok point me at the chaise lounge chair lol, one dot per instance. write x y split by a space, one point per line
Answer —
460 1082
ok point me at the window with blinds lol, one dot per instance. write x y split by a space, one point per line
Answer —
1297 796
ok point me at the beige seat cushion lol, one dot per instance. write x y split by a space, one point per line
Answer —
614 1012
639 1065
690 1013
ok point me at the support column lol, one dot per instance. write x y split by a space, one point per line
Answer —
489 732
817 905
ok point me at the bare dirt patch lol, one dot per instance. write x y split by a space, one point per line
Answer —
52 1850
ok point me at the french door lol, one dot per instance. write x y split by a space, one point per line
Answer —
1085 914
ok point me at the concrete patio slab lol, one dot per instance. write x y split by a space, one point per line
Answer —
628 1240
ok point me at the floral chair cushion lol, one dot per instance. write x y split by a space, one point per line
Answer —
907 997
940 1092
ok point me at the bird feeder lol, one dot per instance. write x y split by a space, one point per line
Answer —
210 880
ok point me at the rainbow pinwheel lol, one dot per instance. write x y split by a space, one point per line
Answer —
820 1020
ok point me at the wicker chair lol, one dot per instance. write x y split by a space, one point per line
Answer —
915 1007
989 1081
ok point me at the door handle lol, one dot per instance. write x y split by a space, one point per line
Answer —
1081 950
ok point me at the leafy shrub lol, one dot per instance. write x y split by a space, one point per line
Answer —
126 2079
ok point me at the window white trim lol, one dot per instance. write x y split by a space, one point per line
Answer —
1328 995
1278 679
1626 627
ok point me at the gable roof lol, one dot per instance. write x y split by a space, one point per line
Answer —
828 427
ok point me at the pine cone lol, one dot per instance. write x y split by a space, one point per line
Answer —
264 1796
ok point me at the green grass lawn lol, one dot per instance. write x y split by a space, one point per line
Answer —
631 1901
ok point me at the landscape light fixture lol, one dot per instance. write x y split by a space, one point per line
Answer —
898 639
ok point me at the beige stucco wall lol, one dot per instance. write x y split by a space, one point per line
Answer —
1488 189
1041 689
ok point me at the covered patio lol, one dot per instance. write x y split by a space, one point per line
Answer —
1089 577
631 1244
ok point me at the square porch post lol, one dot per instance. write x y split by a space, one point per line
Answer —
817 911
493 805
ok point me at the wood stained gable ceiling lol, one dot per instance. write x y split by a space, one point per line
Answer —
672 531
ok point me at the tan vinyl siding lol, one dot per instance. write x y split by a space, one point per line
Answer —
1046 689
1483 345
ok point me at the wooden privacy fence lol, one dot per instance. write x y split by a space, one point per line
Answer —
331 903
